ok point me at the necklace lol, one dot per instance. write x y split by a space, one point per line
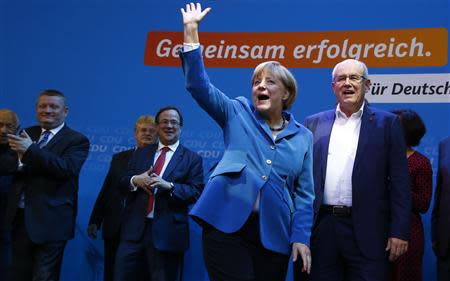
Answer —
281 127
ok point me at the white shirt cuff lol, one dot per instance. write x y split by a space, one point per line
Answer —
187 47
132 186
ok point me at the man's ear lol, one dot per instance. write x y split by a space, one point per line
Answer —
367 84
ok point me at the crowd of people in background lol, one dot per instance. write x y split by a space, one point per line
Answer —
340 195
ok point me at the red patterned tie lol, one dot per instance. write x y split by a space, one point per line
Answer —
159 164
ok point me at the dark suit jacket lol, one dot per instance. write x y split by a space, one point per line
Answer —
8 164
440 218
49 179
170 223
381 197
8 160
108 208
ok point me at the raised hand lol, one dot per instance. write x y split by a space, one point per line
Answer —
193 13
191 18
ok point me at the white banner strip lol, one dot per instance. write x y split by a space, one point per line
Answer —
410 88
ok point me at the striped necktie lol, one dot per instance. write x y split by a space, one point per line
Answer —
44 139
159 164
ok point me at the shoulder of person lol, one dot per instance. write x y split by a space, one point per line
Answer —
123 153
146 149
33 130
188 151
75 134
319 115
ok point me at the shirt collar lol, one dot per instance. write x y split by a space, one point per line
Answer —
172 147
54 131
357 114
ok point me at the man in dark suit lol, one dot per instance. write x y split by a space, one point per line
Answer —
164 179
9 124
42 203
440 218
108 208
363 201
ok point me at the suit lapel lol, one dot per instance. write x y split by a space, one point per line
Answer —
367 123
149 157
58 137
292 128
176 158
263 125
325 131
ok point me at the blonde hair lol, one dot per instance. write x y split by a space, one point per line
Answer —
144 119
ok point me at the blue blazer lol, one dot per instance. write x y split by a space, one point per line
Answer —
253 162
170 230
381 196
440 219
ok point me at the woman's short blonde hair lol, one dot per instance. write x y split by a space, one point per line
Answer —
280 72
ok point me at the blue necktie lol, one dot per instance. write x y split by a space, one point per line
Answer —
44 139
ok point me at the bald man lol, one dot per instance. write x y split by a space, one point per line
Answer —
363 201
9 124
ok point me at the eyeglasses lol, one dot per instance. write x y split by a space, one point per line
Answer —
353 79
171 122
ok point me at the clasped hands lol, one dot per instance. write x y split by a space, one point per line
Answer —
19 143
149 180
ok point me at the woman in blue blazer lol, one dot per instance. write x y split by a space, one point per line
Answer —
257 207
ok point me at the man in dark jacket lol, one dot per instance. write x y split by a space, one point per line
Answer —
9 124
108 208
42 203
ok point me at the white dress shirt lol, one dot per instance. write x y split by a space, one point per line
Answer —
53 132
341 158
169 155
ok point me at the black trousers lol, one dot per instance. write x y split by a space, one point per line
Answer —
5 253
240 256
110 250
336 255
443 267
31 261
5 236
141 261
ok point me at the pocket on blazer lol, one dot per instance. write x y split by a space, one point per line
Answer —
231 162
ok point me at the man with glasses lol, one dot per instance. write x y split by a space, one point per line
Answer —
108 208
162 181
9 123
363 201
